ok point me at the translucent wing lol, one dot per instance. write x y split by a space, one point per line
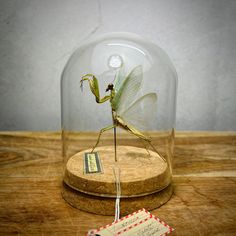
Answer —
141 113
120 76
128 90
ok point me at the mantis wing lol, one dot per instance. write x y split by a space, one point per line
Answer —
141 113
120 76
128 90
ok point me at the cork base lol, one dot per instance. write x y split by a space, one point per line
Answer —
106 206
141 172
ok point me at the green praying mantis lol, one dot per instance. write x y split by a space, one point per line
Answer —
126 113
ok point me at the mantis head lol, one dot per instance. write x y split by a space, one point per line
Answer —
109 87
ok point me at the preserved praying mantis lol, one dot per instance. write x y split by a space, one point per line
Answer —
126 113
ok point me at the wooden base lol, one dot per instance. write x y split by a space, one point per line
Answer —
141 173
106 206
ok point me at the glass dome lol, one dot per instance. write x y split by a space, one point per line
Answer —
118 97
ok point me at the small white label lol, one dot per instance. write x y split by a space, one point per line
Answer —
139 223
92 163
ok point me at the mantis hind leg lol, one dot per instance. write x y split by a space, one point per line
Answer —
144 144
100 133
140 135
155 150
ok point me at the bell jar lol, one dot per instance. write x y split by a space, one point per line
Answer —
118 100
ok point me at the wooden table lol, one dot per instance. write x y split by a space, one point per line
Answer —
204 200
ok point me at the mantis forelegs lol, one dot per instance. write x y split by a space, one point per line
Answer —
100 133
93 84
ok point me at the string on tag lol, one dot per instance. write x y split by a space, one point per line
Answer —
116 172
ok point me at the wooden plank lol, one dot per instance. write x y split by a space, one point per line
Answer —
205 154
204 200
199 206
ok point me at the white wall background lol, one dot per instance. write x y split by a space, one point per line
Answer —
37 38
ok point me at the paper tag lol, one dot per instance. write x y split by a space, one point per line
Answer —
139 223
92 163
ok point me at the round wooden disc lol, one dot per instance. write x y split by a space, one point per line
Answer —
140 173
106 206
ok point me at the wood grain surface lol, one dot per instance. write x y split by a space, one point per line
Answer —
203 203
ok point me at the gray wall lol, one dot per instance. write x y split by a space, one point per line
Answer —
37 38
